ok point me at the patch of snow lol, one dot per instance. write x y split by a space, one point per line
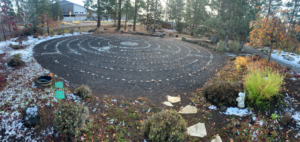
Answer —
213 107
20 93
236 111
31 111
278 56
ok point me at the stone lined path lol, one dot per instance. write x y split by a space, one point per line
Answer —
132 66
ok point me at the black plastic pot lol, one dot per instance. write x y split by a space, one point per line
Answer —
44 81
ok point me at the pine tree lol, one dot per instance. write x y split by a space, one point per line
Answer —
138 5
270 6
293 13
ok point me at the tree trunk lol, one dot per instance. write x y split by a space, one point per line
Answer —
115 18
293 13
155 16
226 41
147 20
135 12
119 16
98 22
270 52
126 19
3 32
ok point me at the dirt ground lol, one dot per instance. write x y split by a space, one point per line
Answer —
156 67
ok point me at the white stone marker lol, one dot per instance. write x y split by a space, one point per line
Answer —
197 130
241 100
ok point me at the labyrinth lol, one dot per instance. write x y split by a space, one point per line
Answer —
130 66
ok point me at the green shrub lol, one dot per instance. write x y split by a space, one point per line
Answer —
59 32
262 86
83 91
221 46
51 31
234 47
71 31
179 26
275 116
15 61
165 126
65 30
70 118
183 39
16 46
222 93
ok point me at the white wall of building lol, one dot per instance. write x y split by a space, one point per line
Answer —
78 10
78 18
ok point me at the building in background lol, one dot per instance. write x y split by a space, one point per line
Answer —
78 12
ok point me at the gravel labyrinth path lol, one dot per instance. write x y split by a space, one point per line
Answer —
132 66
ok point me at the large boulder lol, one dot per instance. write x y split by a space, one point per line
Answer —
214 39
32 116
286 119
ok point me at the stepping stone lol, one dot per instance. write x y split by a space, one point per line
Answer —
167 104
60 94
173 99
197 130
59 85
217 139
188 110
32 116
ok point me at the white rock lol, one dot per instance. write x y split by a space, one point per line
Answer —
173 99
167 104
188 110
197 130
217 139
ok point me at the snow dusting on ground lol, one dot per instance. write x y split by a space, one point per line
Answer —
280 56
20 92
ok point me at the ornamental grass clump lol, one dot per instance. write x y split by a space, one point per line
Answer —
83 91
165 126
15 61
220 46
70 118
262 86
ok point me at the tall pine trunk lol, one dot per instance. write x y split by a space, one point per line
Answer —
135 12
98 22
3 32
126 19
155 16
119 16
147 24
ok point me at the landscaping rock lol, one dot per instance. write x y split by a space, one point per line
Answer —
173 99
197 130
188 110
232 58
223 108
214 39
286 119
32 116
217 139
167 104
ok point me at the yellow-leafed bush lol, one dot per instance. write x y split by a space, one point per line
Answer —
64 23
51 31
240 62
262 86
75 22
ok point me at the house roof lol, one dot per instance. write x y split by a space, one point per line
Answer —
64 2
